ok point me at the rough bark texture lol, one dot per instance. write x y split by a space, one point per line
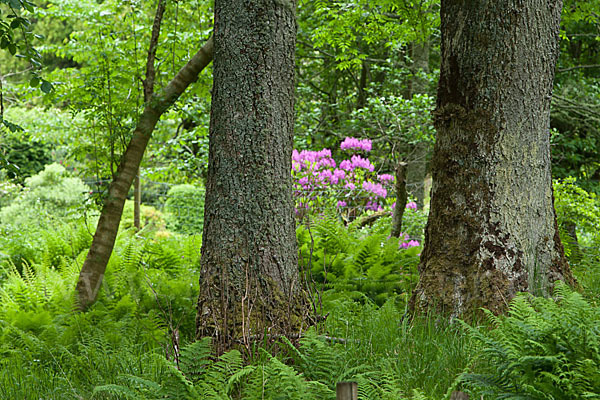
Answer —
249 281
492 227
92 271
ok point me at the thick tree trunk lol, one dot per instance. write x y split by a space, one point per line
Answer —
492 227
249 281
92 271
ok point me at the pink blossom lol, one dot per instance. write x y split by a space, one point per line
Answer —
411 205
353 143
375 188
359 162
386 178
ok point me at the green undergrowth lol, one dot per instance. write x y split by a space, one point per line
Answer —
544 349
123 346
137 341
354 262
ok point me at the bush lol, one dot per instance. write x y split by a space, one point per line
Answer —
49 194
25 156
185 209
51 200
150 217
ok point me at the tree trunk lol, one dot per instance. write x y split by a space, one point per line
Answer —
401 197
492 228
249 280
92 271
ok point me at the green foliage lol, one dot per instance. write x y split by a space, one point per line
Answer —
578 214
340 22
185 209
350 261
543 349
150 217
50 193
39 219
25 156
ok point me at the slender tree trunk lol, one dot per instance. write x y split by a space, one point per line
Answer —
249 280
92 271
401 197
492 228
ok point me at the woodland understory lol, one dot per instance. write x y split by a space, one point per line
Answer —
84 84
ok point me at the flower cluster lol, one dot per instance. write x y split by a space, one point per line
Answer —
356 144
406 242
350 185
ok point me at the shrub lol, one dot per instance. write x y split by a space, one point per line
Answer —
25 156
47 195
185 209
149 217
50 201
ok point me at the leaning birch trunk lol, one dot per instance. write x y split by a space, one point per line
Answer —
92 272
492 228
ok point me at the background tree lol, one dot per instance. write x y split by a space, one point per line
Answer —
249 281
92 271
492 229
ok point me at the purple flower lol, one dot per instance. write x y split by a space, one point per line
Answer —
411 205
341 204
340 174
353 143
406 245
347 165
350 186
386 178
359 162
373 206
375 188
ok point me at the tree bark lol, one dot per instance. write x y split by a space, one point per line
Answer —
492 228
249 280
92 271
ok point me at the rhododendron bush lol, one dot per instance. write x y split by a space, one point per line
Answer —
351 186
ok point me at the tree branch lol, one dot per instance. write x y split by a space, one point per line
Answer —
150 70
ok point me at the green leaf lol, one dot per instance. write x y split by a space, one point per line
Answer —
46 87
16 4
34 82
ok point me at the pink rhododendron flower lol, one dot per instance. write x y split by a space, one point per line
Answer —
353 143
386 178
411 205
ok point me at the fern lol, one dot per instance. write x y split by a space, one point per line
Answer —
544 349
